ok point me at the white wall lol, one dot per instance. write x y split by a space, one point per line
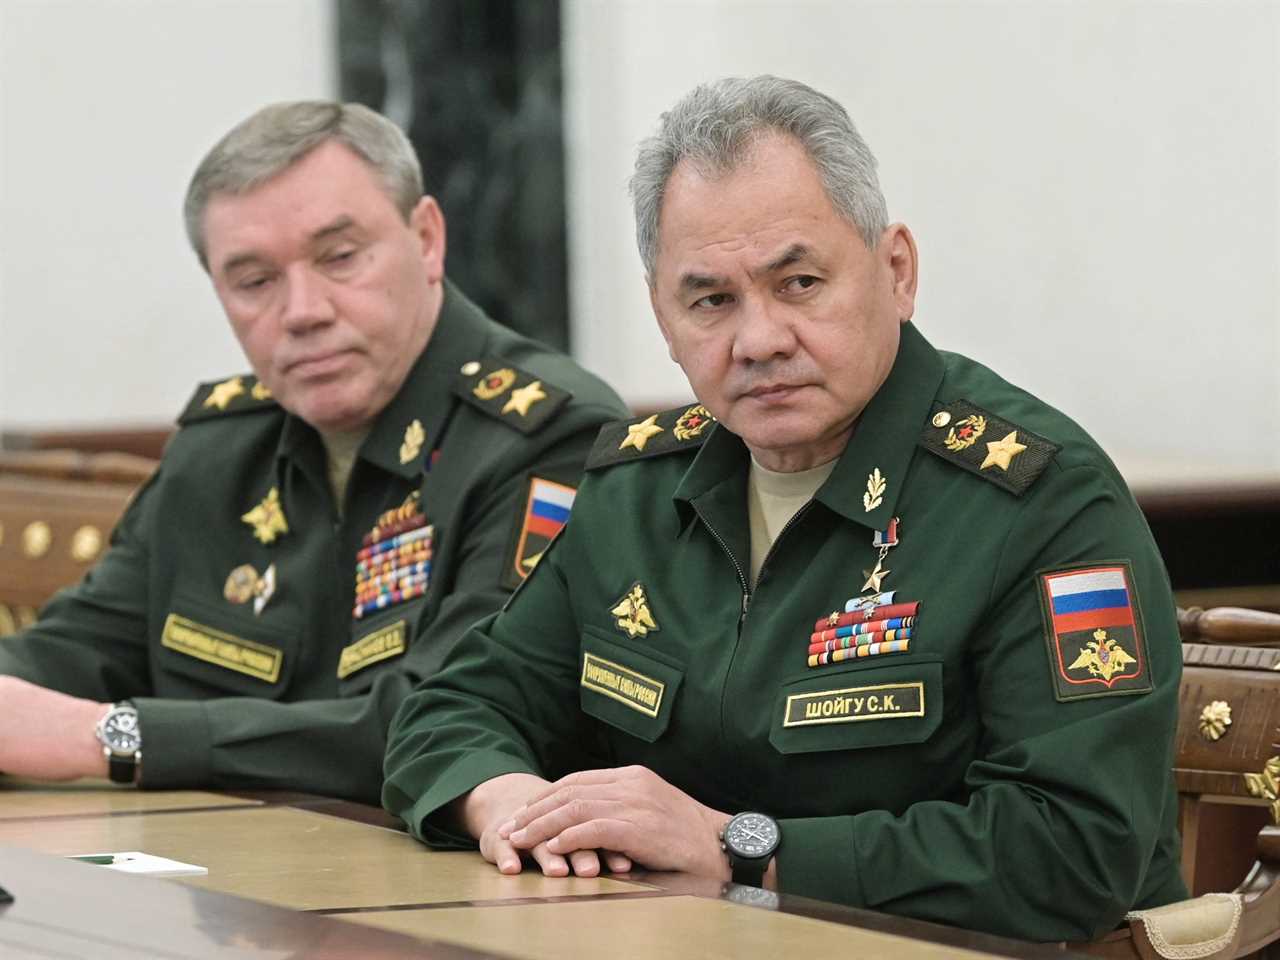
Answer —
1094 186
106 107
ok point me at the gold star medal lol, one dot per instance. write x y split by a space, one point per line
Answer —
632 614
224 392
414 438
885 540
523 398
638 434
1000 453
267 518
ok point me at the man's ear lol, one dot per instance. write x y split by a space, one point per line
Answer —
427 223
898 251
662 323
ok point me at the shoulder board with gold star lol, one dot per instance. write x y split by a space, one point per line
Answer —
984 444
517 398
682 428
239 394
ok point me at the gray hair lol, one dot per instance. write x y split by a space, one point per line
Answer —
279 135
715 126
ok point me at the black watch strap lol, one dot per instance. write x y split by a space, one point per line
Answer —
122 769
749 872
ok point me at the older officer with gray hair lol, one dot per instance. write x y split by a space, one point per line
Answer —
864 622
321 531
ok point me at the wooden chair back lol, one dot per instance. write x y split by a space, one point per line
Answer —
1227 770
57 510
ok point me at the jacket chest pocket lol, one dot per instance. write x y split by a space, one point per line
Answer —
860 707
203 649
626 687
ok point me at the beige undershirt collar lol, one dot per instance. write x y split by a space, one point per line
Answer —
340 453
773 499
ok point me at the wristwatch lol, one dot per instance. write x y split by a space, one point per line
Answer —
750 840
121 741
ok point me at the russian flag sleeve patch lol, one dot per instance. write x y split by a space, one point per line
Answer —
1093 627
545 511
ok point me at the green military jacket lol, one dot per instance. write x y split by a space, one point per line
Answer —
296 692
982 764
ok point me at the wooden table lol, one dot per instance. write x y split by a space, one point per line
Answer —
292 875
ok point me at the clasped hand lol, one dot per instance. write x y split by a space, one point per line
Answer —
627 815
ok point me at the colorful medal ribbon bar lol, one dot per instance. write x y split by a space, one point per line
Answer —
875 649
861 640
855 629
400 540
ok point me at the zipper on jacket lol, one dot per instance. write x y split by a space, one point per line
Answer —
742 577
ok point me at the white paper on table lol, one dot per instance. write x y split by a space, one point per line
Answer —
135 861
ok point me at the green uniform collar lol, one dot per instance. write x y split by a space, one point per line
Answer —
425 397
885 436
884 439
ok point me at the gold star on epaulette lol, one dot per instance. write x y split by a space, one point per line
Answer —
224 392
638 434
1000 453
522 398
260 391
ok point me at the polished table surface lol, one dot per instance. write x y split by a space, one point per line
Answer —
298 876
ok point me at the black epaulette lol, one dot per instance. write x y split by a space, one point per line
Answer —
984 444
221 398
682 428
507 393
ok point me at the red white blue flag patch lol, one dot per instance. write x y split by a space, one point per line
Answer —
545 513
1094 631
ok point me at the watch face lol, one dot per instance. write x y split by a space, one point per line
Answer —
751 835
120 731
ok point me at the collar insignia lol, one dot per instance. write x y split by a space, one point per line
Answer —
876 486
414 437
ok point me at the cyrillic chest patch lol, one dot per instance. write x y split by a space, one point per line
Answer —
221 649
883 701
1093 628
381 644
984 444
637 691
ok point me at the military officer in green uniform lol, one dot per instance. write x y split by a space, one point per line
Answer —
865 622
321 532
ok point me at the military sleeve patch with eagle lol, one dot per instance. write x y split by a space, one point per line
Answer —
1093 628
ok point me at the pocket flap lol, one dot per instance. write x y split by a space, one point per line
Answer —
860 707
626 688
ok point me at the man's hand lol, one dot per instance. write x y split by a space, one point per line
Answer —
629 809
486 814
48 735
